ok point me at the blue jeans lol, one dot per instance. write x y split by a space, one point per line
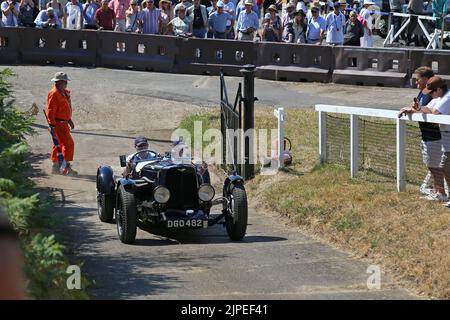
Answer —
199 33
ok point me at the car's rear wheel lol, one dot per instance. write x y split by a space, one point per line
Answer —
105 207
126 216
237 224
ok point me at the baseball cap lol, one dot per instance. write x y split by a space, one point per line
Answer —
139 141
248 2
336 4
220 4
433 84
267 16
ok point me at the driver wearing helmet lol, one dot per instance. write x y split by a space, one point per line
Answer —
142 153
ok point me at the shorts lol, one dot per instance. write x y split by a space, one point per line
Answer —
120 25
445 164
432 153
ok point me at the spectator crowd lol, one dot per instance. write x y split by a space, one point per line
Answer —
346 22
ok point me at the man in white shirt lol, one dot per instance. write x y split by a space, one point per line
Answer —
335 26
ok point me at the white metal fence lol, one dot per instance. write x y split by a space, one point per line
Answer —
355 113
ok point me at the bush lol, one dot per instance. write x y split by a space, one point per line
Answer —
45 262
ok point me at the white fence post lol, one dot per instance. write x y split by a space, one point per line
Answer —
279 113
354 145
401 159
323 136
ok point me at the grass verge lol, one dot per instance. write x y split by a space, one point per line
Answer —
398 231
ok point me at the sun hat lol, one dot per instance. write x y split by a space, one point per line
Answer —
60 76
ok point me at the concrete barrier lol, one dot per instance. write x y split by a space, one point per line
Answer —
41 46
275 61
371 66
294 62
209 56
136 51
438 60
9 45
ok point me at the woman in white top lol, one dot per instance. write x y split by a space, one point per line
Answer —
181 25
367 40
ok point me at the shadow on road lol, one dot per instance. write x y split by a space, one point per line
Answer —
40 126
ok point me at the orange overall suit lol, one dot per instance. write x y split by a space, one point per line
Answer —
59 113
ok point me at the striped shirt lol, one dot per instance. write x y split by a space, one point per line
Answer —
151 20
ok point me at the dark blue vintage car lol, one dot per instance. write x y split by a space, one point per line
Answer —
168 194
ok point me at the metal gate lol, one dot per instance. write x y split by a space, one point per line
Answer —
235 120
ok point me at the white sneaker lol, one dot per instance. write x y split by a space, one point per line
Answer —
437 197
426 191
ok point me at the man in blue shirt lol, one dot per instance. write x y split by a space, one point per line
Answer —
47 19
316 27
335 26
241 7
247 23
89 9
218 22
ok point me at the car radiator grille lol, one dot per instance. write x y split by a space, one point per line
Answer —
182 183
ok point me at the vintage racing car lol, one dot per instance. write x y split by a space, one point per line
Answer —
168 194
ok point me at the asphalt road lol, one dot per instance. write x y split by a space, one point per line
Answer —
274 261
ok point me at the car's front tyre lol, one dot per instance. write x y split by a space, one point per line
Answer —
126 216
237 224
105 207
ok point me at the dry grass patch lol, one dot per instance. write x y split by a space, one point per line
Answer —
399 231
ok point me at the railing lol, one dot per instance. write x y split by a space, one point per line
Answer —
276 61
355 113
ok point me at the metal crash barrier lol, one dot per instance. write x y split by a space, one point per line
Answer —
371 66
294 62
276 61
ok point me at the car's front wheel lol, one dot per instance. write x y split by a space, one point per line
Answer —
236 224
126 216
105 207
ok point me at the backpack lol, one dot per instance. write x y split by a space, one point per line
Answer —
362 20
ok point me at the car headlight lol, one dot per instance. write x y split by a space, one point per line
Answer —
206 192
161 194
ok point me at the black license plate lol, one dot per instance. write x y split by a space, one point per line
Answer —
187 223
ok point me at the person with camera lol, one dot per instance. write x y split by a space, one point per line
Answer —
48 19
10 13
267 31
247 22
26 14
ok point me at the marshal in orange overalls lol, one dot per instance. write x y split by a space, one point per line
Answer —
59 113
